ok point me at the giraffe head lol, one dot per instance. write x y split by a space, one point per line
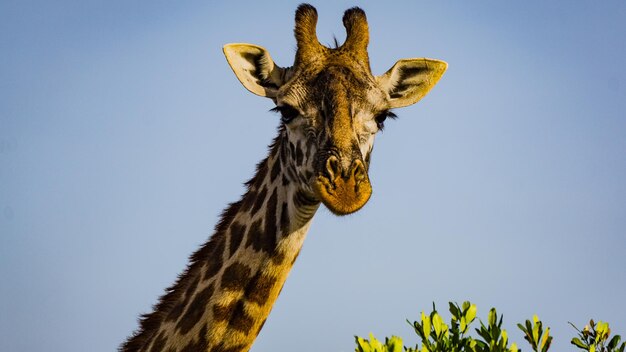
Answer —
332 105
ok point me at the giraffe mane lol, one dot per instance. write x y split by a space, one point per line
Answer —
149 323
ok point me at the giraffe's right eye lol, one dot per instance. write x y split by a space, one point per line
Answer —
380 118
287 113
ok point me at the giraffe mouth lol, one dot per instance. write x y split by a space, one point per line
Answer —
341 194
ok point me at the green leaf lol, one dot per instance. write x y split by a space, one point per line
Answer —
394 344
614 342
529 328
425 325
602 331
472 344
484 334
492 317
536 332
437 324
545 339
375 345
471 313
547 345
362 345
576 341
521 327
454 310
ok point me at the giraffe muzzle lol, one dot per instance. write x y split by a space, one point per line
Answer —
343 191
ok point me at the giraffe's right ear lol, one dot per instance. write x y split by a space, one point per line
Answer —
409 80
255 68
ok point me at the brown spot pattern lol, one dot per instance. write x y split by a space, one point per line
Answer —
240 320
278 258
248 200
270 222
275 170
284 219
235 314
292 174
259 289
200 344
235 277
195 310
179 308
222 348
299 155
260 240
283 152
223 313
237 231
258 203
292 148
214 261
159 343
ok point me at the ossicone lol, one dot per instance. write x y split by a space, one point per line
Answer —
357 31
305 31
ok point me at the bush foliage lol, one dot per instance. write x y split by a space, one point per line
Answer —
437 336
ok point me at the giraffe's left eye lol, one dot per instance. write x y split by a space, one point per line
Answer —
287 113
380 118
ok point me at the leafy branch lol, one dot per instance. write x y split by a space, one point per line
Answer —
437 336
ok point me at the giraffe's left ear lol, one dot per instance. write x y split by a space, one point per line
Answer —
255 68
409 80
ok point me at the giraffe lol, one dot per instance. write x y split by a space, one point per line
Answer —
331 108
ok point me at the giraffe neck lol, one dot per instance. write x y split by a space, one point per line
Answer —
221 301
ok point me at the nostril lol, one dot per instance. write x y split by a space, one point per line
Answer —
358 171
333 167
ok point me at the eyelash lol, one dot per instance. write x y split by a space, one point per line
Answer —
287 113
380 118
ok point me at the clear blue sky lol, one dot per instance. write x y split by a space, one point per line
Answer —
123 134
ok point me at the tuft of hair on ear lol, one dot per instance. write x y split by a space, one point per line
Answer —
263 66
